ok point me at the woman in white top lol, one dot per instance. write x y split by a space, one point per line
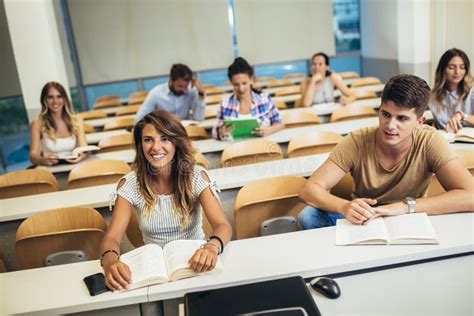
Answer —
168 189
57 129
452 98
320 87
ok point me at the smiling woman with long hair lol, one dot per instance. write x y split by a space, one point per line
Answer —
167 188
452 98
56 130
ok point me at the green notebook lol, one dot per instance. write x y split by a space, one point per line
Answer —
242 127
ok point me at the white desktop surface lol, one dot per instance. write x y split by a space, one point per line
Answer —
443 287
306 253
100 122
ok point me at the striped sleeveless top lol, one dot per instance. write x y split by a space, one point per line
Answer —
163 225
325 93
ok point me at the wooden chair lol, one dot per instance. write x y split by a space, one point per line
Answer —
2 263
299 103
295 89
294 76
27 182
227 83
196 132
210 112
120 123
214 99
466 158
366 81
344 187
365 94
312 143
137 97
201 160
263 199
250 151
280 83
116 142
348 75
72 228
264 79
214 90
96 172
280 105
293 118
207 85
352 112
107 102
90 115
126 110
88 128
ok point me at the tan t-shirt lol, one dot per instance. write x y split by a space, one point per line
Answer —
410 177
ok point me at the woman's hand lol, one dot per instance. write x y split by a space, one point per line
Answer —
317 77
359 211
454 123
225 130
261 131
205 258
117 275
81 156
50 160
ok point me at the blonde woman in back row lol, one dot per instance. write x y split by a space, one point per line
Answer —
56 130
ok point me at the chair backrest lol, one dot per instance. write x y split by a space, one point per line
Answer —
107 101
312 143
89 115
279 225
48 232
207 85
196 132
137 97
116 142
2 263
88 128
120 123
280 83
27 182
299 118
201 160
96 172
299 103
210 112
213 99
126 110
295 89
466 158
366 81
349 112
344 188
294 75
365 94
348 74
263 79
280 105
264 199
214 90
250 151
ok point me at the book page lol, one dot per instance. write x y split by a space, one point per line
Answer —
373 232
178 253
77 151
147 265
410 228
465 134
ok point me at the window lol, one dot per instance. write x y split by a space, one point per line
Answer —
346 16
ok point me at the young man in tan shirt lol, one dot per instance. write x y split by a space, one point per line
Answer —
391 164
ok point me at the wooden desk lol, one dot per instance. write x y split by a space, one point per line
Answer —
306 253
95 138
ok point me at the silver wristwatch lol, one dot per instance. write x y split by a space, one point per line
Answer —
411 202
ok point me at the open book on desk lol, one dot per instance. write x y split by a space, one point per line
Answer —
77 151
465 134
402 230
150 264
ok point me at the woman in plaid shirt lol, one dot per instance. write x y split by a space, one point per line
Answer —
246 101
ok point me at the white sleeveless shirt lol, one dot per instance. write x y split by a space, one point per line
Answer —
61 145
325 93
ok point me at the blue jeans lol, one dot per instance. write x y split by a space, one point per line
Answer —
311 217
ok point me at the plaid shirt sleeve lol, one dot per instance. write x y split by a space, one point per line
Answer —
275 117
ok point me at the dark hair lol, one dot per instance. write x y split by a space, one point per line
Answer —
441 84
180 71
241 66
407 91
182 165
326 60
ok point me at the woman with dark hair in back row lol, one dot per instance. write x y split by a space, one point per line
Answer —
452 98
246 101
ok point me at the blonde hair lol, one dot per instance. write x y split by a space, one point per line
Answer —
182 167
48 126
441 84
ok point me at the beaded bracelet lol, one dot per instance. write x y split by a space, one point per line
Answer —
220 241
106 252
211 243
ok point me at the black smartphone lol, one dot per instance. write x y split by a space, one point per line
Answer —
96 284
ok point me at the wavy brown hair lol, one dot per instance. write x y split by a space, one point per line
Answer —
441 84
182 167
48 126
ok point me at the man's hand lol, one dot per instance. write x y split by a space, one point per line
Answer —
197 84
359 211
399 208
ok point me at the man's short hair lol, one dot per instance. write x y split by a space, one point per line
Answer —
180 71
407 91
